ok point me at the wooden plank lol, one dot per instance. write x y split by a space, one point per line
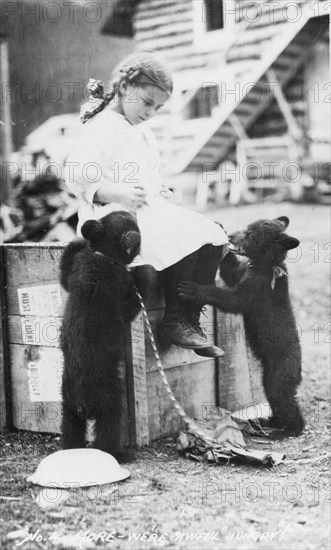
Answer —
237 125
244 108
185 59
275 17
257 35
285 108
29 264
194 388
6 130
243 51
213 148
162 14
168 28
157 20
36 416
267 151
283 63
124 413
271 141
5 400
137 385
149 7
168 42
295 47
2 383
239 382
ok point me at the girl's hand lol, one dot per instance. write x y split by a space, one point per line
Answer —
166 193
130 195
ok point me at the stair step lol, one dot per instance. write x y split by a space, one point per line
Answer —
282 63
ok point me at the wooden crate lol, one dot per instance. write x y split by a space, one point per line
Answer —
32 308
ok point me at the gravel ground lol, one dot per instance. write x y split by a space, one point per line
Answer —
172 502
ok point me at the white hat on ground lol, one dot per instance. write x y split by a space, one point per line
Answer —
78 468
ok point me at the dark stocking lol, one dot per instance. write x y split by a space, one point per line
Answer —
181 271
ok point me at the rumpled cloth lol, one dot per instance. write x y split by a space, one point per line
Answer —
224 440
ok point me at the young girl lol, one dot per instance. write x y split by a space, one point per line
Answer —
115 165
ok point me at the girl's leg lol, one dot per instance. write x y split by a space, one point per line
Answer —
207 264
180 324
175 328
204 274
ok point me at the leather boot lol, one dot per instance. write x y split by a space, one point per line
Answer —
193 316
210 351
175 329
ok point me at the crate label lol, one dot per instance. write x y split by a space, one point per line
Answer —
45 300
45 376
41 331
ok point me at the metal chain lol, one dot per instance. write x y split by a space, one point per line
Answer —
192 426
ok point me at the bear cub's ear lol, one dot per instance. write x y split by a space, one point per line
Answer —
288 242
130 242
91 230
285 221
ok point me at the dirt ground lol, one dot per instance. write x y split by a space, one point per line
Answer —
172 502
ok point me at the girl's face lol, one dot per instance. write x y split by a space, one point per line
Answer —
140 103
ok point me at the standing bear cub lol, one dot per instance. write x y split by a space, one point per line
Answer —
101 301
257 287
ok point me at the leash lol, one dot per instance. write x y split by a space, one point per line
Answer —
192 425
109 259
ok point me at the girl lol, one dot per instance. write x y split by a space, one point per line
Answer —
115 165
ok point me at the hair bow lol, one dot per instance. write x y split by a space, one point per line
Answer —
96 101
131 73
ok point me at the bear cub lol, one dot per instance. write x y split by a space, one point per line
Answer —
101 301
257 286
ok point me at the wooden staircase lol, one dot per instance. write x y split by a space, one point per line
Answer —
269 44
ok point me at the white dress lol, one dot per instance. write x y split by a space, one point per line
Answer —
112 149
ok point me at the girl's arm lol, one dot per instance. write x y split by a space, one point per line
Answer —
89 173
129 194
87 165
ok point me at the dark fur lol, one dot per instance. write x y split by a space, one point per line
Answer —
101 301
268 317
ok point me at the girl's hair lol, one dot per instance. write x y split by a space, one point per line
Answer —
141 69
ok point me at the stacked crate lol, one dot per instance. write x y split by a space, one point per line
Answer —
32 306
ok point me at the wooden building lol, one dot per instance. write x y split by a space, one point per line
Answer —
251 96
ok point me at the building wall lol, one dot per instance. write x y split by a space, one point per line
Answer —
175 30
54 48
